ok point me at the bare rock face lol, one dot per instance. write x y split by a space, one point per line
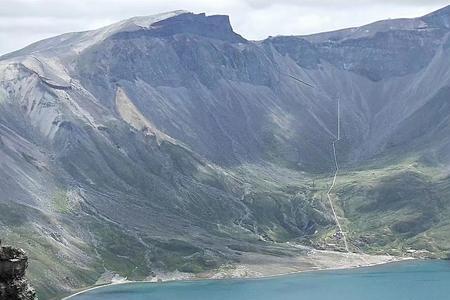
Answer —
13 285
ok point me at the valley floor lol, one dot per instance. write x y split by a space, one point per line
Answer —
255 265
260 265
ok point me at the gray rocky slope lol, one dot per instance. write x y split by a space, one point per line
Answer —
172 142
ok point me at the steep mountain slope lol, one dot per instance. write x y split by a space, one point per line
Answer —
172 143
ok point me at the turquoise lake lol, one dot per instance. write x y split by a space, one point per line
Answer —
416 280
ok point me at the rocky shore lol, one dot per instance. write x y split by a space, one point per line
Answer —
254 265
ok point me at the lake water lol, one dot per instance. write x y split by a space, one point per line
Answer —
416 280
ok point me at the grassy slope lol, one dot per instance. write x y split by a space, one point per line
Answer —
397 208
390 208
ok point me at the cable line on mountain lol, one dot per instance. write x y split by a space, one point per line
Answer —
336 166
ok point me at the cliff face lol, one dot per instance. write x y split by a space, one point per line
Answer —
13 285
172 143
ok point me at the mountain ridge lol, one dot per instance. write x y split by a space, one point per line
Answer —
146 21
88 38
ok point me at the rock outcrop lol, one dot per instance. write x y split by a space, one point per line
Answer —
13 285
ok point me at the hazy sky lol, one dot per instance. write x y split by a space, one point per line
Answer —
25 21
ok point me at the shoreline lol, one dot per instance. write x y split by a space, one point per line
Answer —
392 260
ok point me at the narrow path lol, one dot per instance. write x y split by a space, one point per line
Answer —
330 199
336 171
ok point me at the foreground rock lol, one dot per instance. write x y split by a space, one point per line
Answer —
13 285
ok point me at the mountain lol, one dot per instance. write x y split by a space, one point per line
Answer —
171 142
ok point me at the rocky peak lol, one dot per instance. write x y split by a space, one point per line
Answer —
215 26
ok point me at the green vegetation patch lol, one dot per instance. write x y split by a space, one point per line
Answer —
61 202
3 96
119 251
